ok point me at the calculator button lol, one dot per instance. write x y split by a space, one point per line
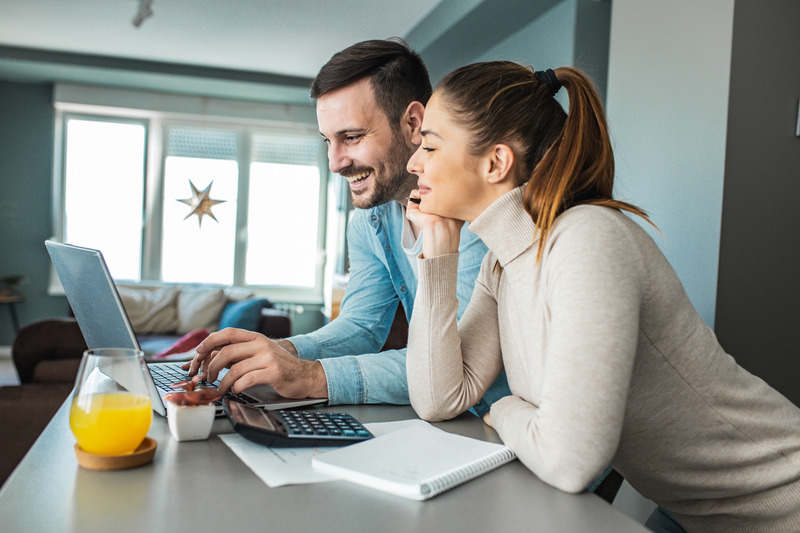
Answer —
334 426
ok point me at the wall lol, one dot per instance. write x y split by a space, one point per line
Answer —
543 43
571 33
759 275
667 110
543 34
456 33
26 160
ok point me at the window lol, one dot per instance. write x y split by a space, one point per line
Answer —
104 181
204 160
176 199
284 198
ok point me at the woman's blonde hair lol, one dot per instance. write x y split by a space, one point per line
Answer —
566 159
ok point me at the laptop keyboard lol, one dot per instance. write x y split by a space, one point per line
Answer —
165 375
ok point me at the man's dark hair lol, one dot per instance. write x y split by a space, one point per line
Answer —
397 74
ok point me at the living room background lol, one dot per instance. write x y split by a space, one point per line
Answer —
688 118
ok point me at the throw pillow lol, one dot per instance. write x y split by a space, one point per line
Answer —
184 347
151 311
245 314
199 309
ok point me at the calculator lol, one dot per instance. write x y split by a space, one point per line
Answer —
289 428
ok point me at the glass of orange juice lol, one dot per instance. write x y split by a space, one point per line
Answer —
111 410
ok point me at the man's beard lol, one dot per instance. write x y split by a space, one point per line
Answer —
394 177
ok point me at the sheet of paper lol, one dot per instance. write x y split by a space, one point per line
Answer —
292 466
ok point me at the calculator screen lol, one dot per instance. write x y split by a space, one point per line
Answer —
253 416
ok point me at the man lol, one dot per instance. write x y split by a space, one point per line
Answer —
370 102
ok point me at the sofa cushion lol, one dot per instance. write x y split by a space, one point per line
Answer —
199 309
236 294
151 310
245 314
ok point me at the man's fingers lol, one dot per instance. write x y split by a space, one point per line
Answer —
245 373
224 337
229 356
193 366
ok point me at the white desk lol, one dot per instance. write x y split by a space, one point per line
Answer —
203 486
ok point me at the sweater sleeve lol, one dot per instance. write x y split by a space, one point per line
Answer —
592 278
450 365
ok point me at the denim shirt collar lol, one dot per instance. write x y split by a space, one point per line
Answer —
376 214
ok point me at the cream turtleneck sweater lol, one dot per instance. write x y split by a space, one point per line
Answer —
608 363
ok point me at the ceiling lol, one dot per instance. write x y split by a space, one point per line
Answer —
284 42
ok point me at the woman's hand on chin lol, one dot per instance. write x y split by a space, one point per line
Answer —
442 235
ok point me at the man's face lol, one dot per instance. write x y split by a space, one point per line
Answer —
363 147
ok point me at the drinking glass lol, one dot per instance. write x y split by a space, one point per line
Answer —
111 410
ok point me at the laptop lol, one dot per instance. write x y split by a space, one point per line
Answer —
94 299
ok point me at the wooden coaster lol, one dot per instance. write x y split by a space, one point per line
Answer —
143 455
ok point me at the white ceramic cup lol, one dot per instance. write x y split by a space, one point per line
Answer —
190 422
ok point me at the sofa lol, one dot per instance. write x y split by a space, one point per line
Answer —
161 315
49 351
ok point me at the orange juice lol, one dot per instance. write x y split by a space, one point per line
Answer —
110 423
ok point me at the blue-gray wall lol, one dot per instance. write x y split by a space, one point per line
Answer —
26 161
667 110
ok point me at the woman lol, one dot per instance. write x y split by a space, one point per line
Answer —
606 358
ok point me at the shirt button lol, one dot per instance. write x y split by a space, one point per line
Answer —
388 248
373 218
402 288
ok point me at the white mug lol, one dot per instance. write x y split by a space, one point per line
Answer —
190 422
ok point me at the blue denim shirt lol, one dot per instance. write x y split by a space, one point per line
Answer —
381 276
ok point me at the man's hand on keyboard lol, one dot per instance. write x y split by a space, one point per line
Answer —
253 359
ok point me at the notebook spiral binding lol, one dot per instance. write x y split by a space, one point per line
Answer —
464 473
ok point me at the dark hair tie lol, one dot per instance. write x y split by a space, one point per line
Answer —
548 77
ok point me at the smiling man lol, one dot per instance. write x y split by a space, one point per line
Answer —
370 101
364 147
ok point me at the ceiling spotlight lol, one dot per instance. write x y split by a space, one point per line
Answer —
145 11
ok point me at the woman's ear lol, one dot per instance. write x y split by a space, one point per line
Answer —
501 159
411 123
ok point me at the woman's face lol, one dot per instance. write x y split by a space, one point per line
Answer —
451 183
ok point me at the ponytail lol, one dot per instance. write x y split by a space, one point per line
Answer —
566 160
578 168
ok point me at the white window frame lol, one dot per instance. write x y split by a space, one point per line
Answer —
158 112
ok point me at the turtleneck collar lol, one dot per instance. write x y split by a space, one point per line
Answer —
505 227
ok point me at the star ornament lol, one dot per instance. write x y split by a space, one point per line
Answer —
201 203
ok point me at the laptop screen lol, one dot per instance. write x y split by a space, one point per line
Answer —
93 296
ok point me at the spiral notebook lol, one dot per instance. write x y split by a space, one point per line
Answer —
415 462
